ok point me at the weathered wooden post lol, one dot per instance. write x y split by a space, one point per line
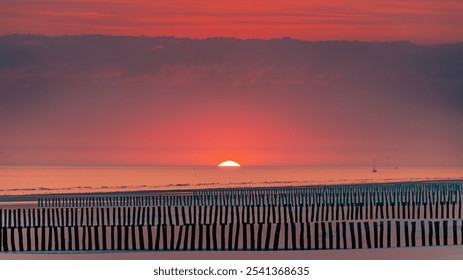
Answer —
352 235
277 236
322 224
119 236
50 238
367 234
169 212
141 237
90 237
184 219
62 239
5 239
393 203
28 238
442 209
375 232
29 215
222 236
165 244
237 236
454 227
112 235
404 208
407 235
360 237
36 238
230 236
316 239
149 229
330 235
133 236
93 237
417 205
200 233
114 215
437 229
214 236
286 239
381 205
42 239
338 236
179 238
293 235
344 234
388 234
397 228
445 228
152 215
193 233
259 235
427 202
312 214
69 238
423 234
245 237
267 237
435 205
430 233
20 237
12 239
176 215
185 243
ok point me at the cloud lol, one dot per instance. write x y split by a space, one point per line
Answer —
421 21
68 97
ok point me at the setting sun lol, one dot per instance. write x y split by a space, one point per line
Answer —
229 163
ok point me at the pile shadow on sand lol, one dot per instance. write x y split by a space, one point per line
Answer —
396 215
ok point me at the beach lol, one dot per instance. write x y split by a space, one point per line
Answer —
48 180
401 220
422 253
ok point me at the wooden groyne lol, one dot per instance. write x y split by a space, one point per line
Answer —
405 192
319 218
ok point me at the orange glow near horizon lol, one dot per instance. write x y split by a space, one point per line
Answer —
144 99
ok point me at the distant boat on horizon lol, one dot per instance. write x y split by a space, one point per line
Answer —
374 170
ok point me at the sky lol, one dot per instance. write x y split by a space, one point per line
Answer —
421 21
208 82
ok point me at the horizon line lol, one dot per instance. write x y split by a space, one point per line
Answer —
232 38
245 166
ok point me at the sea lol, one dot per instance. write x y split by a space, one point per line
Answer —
36 180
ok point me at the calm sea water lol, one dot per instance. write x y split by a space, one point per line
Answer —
46 180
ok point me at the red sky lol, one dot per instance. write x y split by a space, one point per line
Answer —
422 21
169 101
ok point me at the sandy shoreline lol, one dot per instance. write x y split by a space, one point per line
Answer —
31 198
411 253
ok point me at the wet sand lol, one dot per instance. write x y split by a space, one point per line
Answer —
417 253
413 253
30 201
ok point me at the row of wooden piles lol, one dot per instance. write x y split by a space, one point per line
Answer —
376 194
392 201
208 215
280 236
299 218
